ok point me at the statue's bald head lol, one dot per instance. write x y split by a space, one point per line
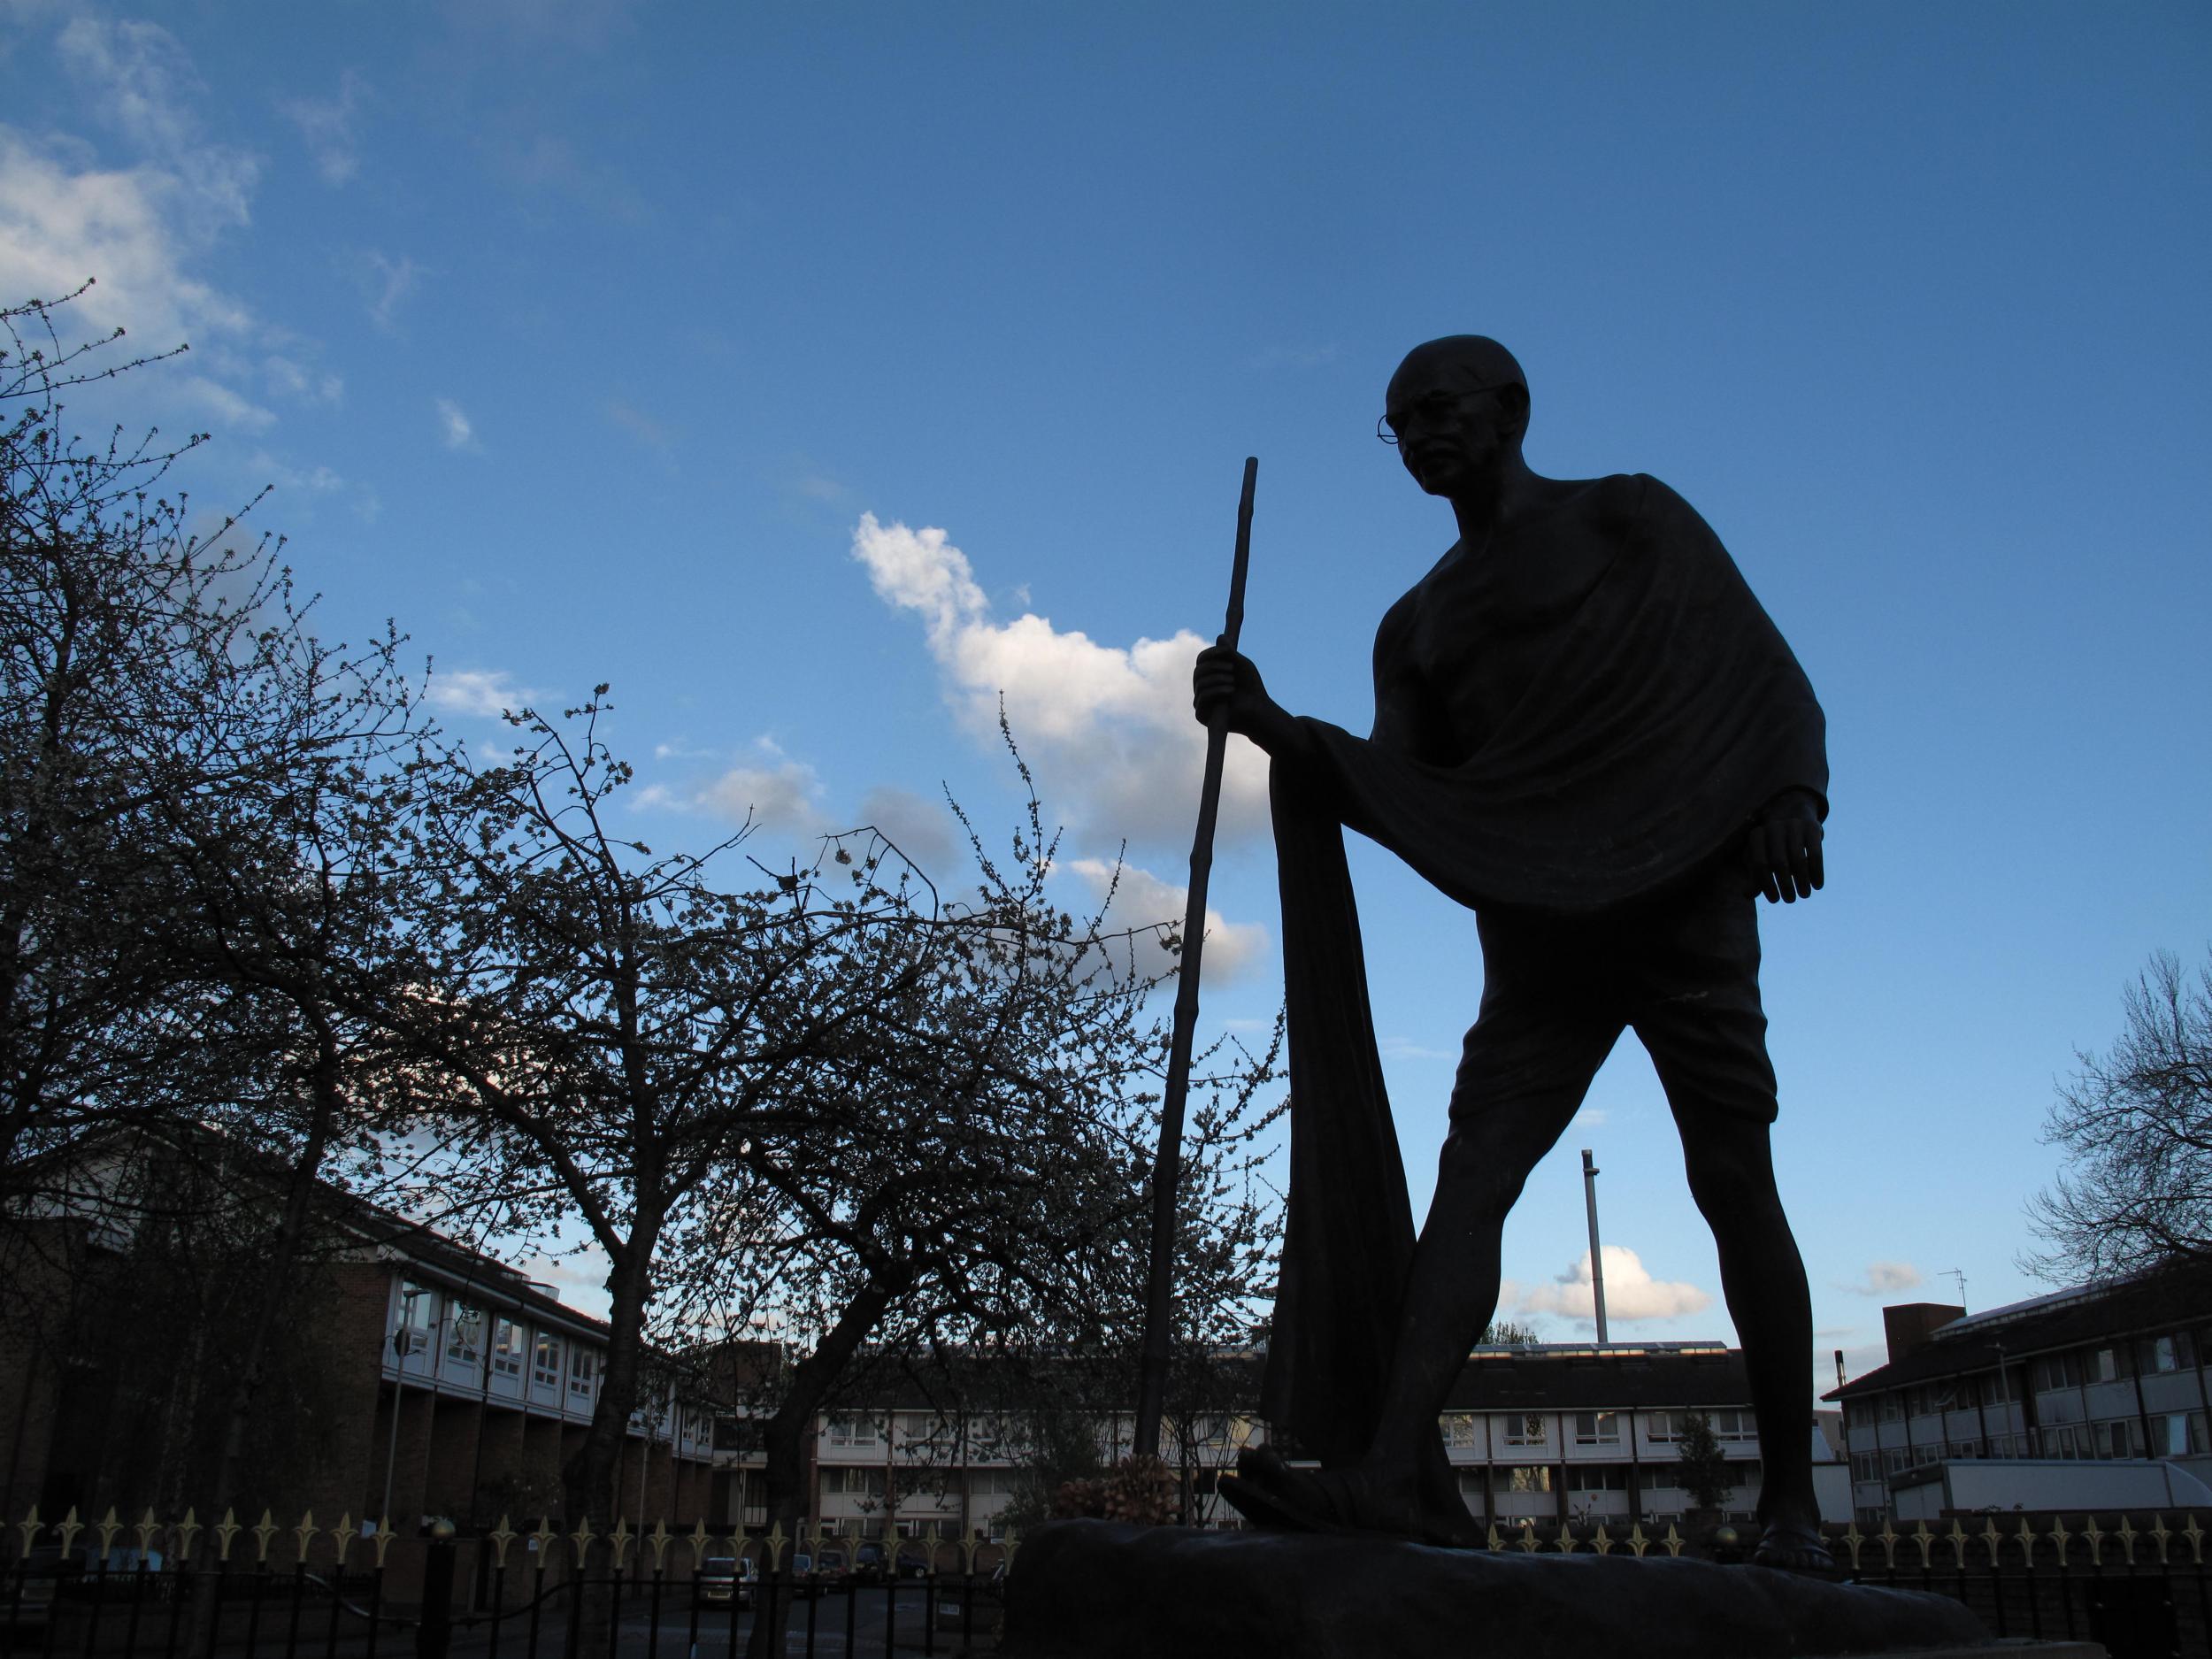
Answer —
1465 362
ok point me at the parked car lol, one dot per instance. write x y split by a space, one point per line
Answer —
867 1566
804 1581
27 1592
716 1581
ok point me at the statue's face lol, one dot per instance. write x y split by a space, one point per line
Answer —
1451 429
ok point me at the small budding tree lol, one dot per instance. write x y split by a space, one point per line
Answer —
1701 1465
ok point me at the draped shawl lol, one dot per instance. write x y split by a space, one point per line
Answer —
1653 719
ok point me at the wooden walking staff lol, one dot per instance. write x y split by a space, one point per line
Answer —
1168 1167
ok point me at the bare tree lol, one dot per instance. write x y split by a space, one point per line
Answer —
2136 1125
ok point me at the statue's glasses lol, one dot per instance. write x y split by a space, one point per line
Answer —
1438 408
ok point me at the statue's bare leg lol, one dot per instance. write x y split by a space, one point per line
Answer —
1705 1030
1526 1065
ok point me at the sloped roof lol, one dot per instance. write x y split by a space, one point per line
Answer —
2155 1302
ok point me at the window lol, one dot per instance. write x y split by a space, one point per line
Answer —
993 1483
1892 1407
1458 1428
2122 1437
583 1370
1530 1477
2055 1372
1597 1428
923 1428
2167 1352
464 1332
1866 1466
545 1365
1734 1424
1524 1429
417 1310
851 1483
1858 1414
506 1347
1596 1478
855 1429
2108 1364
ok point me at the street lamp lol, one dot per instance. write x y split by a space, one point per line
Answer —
401 1340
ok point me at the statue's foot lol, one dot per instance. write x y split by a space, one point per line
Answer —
1271 1495
1793 1546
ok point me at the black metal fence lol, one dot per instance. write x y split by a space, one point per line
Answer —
116 1592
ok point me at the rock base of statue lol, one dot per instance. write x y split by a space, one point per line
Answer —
1100 1590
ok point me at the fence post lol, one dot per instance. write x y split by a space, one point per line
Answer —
435 1634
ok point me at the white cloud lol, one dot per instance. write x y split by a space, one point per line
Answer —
1406 1048
329 127
1143 900
1631 1292
142 82
483 693
919 827
1883 1278
67 214
311 386
455 427
1110 724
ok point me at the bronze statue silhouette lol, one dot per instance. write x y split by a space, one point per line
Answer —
1588 730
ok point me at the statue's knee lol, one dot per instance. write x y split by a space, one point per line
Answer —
1480 1184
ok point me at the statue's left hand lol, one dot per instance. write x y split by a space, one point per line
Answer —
1782 848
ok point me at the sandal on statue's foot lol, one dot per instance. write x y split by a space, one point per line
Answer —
1792 1547
1267 1490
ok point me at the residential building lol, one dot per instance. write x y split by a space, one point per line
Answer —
2101 1372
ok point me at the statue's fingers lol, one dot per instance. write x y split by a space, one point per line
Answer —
1816 864
1801 858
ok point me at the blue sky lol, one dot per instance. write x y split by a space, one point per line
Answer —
815 373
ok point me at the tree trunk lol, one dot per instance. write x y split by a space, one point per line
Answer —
811 1380
588 1483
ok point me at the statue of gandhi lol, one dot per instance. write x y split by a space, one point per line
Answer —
1587 730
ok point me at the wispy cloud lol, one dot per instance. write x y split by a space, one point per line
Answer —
1886 1278
639 425
484 693
329 126
385 284
455 427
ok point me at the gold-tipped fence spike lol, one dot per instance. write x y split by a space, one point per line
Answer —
68 1530
1853 1540
1602 1541
31 1526
146 1529
1994 1540
187 1529
2159 1535
697 1540
107 1526
1673 1541
343 1536
2061 1537
1887 1539
502 1537
1637 1542
1496 1539
383 1540
1528 1542
581 1538
1925 1541
306 1532
776 1542
1957 1535
2027 1544
969 1544
659 1542
1565 1542
226 1529
267 1529
2095 1536
2127 1535
545 1535
621 1539
2195 1535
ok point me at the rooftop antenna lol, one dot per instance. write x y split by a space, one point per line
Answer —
1953 1272
1597 1269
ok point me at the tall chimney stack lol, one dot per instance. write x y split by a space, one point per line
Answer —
1597 1258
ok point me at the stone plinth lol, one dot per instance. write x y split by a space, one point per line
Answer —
1098 1590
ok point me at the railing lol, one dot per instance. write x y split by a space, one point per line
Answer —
111 1590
